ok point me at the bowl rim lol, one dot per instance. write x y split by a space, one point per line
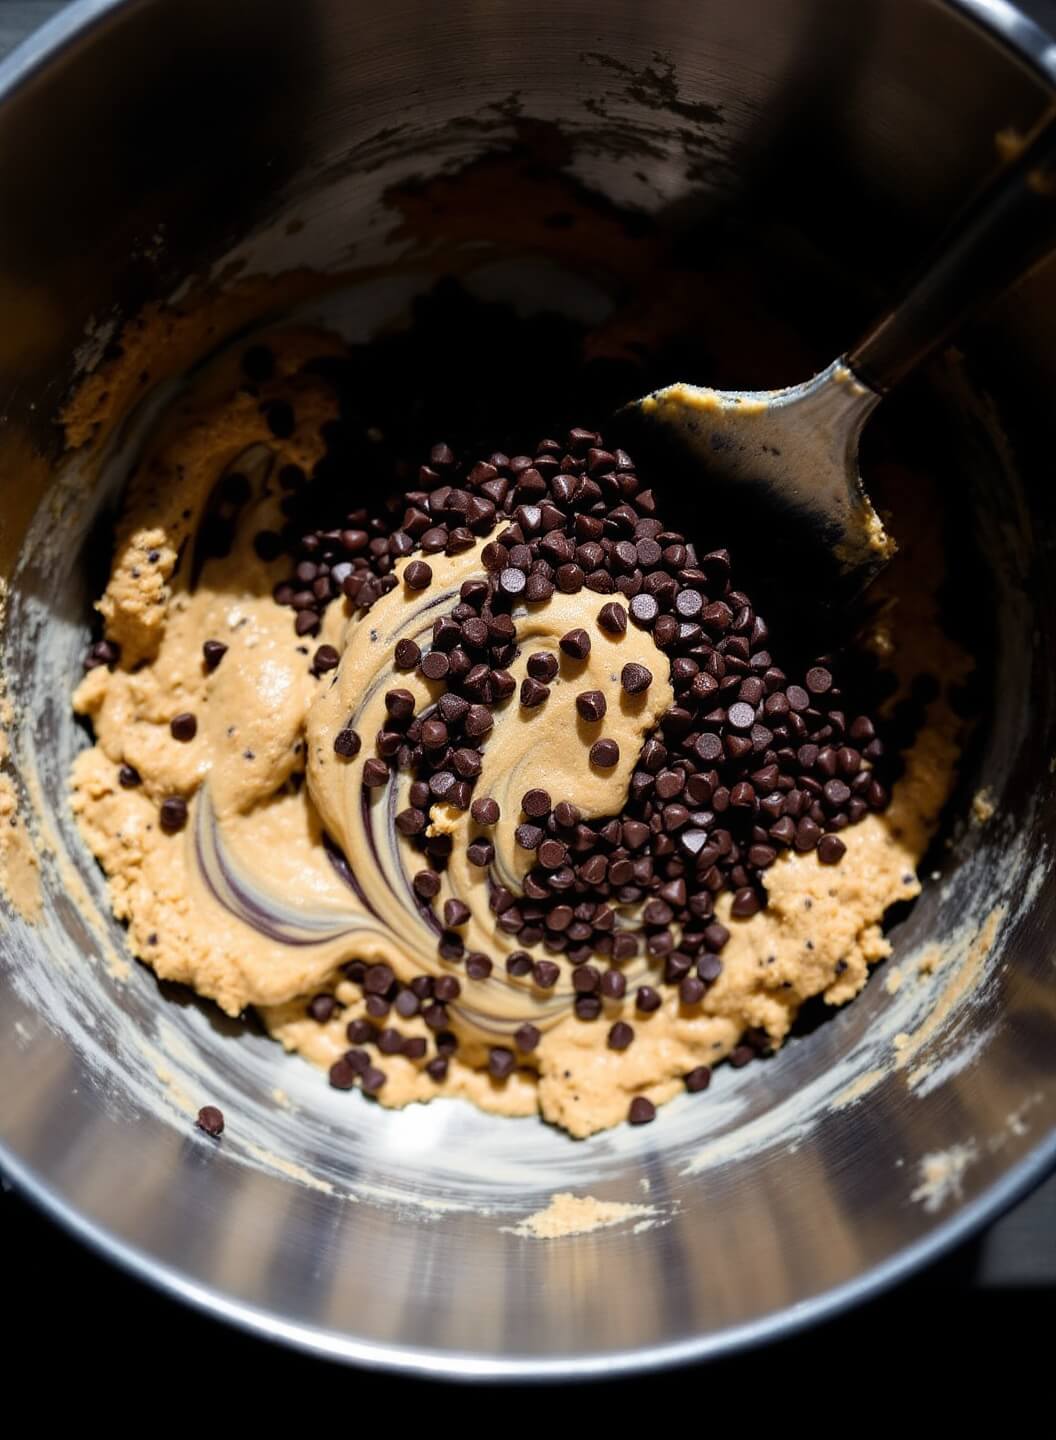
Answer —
1030 43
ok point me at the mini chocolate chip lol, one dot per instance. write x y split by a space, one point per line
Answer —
435 665
321 1007
542 665
418 575
545 974
647 999
173 814
605 754
831 849
641 1111
620 1036
347 743
478 967
485 811
375 773
526 1037
576 644
698 1079
613 985
183 726
213 652
407 655
612 618
411 821
519 963
635 679
456 912
480 853
128 777
592 705
211 1120
745 903
533 693
501 1062
528 836
343 1074
535 803
325 658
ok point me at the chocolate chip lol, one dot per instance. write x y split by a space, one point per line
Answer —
526 1038
635 679
411 821
533 693
605 754
343 1074
485 811
128 777
644 609
592 705
613 985
417 575
426 883
647 999
211 1120
535 803
501 1062
612 618
325 658
172 814
542 665
183 726
213 651
528 836
545 974
478 967
480 853
745 903
819 680
375 773
641 1111
435 665
456 912
831 850
576 644
698 1079
620 1036
321 1007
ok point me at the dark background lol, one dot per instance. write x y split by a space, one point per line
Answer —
979 1321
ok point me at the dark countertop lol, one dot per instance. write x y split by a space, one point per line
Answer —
982 1301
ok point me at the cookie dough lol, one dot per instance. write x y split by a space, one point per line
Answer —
245 903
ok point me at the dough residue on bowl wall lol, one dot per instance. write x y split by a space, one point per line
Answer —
569 1214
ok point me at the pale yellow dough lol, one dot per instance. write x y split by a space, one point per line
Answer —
264 720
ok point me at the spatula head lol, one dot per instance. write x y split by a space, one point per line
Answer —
773 477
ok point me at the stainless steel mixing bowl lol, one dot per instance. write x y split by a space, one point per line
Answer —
143 142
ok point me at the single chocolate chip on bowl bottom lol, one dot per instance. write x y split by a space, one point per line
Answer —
211 1120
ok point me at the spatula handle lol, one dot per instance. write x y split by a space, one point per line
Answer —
1009 225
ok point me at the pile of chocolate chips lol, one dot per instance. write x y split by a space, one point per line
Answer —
747 763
